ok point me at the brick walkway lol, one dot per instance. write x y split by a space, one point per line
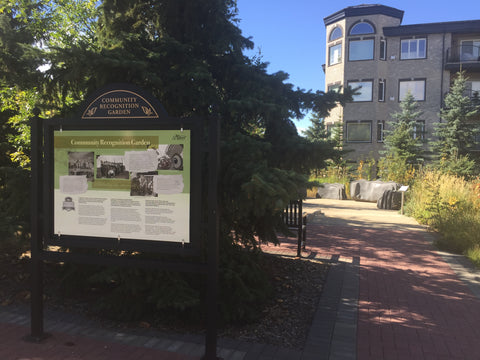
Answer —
389 295
411 303
61 346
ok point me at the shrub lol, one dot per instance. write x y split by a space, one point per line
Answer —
474 255
450 205
339 173
391 168
15 204
132 294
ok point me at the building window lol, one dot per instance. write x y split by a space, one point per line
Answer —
335 34
470 50
330 128
362 28
472 89
381 90
383 49
335 54
419 130
364 91
476 139
359 131
413 49
334 87
361 49
380 130
416 87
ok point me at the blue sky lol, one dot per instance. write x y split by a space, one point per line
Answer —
290 34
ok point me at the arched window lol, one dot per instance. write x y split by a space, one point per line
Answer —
361 47
362 28
335 34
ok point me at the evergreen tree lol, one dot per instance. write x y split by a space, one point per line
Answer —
404 139
189 55
456 132
316 131
403 143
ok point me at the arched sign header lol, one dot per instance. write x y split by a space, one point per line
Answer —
122 102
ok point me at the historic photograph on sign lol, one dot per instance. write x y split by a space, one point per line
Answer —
111 167
118 184
170 157
81 163
142 184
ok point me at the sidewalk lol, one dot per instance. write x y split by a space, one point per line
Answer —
412 304
389 295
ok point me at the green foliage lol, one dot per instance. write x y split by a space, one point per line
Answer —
128 294
457 130
403 145
189 55
19 32
402 140
461 165
334 174
395 168
316 131
474 255
244 285
448 204
15 110
129 298
254 194
318 135
367 169
15 203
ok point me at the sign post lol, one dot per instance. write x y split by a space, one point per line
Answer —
403 189
213 221
124 176
37 334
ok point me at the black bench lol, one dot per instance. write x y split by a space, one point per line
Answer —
295 220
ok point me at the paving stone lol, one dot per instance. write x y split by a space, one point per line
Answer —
389 294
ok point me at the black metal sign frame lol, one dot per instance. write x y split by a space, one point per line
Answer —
131 110
124 243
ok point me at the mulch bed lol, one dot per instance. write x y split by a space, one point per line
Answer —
285 320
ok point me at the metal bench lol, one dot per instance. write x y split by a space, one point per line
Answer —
295 220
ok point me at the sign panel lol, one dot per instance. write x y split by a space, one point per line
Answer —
120 104
131 184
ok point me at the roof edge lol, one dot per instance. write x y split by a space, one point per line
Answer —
365 9
466 26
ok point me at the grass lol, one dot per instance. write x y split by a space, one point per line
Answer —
331 175
451 206
474 255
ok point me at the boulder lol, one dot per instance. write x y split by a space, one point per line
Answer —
332 191
390 200
364 190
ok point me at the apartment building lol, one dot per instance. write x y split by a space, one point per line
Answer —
368 47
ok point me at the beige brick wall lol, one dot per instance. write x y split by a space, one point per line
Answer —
392 70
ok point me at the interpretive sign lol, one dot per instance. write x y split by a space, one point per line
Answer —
125 178
122 184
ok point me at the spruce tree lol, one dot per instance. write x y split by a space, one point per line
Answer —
316 131
404 138
189 55
457 129
403 143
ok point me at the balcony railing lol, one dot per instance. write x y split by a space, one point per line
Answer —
464 57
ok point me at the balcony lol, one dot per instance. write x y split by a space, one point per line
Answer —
464 57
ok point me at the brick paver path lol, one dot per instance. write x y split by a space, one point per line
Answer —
73 347
411 303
